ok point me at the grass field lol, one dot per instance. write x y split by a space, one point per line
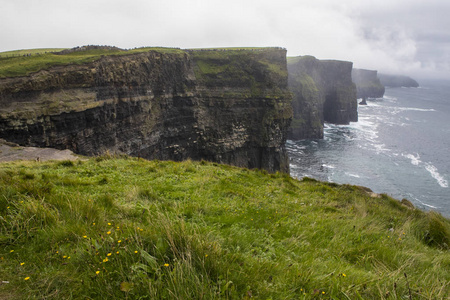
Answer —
111 228
18 63
24 62
26 52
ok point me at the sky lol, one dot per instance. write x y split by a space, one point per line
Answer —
410 37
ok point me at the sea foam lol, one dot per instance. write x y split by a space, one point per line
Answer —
435 174
415 159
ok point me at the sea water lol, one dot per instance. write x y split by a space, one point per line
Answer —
400 146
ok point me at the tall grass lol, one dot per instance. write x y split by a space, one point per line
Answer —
128 228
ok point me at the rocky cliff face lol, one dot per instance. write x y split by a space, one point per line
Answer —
367 83
323 92
226 106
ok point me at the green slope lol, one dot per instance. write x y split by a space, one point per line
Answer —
14 63
127 228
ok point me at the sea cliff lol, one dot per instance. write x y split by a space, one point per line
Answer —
229 106
367 83
397 81
323 92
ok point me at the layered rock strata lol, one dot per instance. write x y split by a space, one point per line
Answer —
323 92
229 106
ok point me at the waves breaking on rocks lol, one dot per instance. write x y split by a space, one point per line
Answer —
398 147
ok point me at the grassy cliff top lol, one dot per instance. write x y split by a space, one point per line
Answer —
295 59
127 228
24 62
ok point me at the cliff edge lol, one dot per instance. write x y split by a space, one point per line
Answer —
367 83
229 106
323 92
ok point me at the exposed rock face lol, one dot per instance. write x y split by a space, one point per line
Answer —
367 83
397 81
323 92
226 106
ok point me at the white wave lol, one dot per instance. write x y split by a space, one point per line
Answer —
416 109
435 174
352 175
425 204
397 110
381 148
370 104
389 98
366 129
415 159
328 166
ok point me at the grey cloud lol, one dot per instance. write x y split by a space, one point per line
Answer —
408 36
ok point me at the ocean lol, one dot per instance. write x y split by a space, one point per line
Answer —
400 146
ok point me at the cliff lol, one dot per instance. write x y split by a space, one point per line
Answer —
367 83
397 81
228 106
323 92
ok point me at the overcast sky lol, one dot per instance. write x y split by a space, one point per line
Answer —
393 36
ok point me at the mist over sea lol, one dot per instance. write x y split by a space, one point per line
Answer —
399 146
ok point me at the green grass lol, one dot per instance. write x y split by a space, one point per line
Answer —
111 228
29 51
25 65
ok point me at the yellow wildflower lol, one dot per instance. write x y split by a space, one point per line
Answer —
105 260
135 251
26 278
11 251
117 252
109 224
343 274
64 256
109 254
166 265
22 264
85 236
93 223
119 241
97 272
109 232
